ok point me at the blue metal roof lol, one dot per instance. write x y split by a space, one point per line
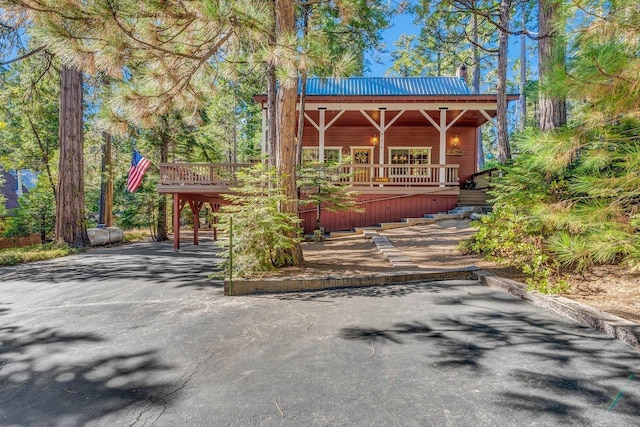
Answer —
387 86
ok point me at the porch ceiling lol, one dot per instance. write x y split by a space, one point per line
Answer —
408 118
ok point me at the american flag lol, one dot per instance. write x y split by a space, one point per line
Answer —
139 166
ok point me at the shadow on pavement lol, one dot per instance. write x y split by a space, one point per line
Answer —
372 291
582 369
45 379
157 262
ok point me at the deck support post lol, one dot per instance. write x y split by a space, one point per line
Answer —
196 206
215 208
176 221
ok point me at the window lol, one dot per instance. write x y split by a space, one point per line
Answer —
409 157
312 154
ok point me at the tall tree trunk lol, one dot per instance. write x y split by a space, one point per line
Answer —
476 86
71 226
161 224
303 92
286 121
271 114
504 149
303 87
106 183
551 55
523 68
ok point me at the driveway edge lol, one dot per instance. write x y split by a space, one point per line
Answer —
613 326
292 284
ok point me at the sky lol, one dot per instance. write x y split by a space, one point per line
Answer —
401 24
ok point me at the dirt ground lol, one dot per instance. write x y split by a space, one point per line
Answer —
608 288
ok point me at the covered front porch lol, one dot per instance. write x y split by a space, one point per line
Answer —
219 178
389 189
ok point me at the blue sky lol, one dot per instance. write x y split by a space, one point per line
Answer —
401 24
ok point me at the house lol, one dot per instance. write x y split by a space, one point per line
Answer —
411 143
9 185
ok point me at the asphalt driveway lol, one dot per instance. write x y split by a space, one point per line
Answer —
139 335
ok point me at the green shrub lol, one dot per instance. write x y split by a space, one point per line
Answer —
262 235
509 237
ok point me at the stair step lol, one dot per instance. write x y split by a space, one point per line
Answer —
391 225
418 221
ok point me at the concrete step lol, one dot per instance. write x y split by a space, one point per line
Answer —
442 215
366 230
418 221
392 225
345 233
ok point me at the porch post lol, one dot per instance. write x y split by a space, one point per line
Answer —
195 209
176 221
382 129
263 156
443 143
321 131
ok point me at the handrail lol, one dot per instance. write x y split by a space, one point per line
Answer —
480 180
220 174
401 175
356 175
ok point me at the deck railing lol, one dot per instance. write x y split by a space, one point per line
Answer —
402 175
358 175
214 174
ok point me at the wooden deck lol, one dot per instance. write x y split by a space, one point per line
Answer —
212 179
388 192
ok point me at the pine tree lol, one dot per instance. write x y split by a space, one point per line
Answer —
572 195
551 55
71 224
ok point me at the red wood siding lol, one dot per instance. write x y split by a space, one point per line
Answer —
401 136
468 144
379 208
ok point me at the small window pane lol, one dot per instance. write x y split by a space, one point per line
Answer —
310 155
332 155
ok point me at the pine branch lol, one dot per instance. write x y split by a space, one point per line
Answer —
21 57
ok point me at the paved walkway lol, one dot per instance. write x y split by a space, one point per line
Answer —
396 257
139 335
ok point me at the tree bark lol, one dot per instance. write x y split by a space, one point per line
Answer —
476 87
106 183
523 69
286 100
303 90
551 55
71 226
504 148
161 225
303 87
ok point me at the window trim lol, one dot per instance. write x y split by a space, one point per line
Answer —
317 152
409 169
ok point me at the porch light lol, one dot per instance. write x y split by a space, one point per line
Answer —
374 140
455 140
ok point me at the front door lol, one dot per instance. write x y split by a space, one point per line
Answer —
361 156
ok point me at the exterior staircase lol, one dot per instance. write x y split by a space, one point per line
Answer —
472 201
460 212
473 198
